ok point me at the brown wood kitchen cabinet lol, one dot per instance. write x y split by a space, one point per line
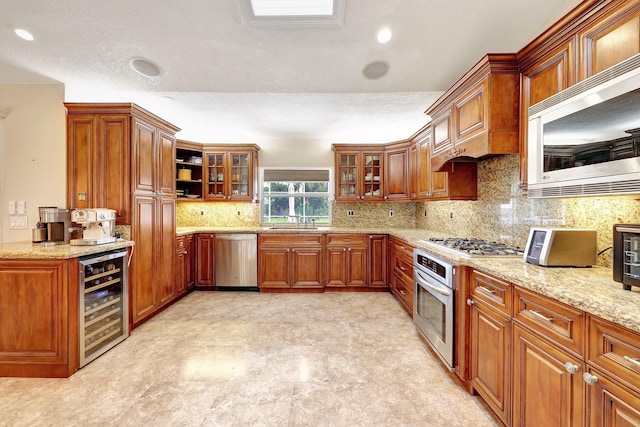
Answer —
99 153
347 260
204 253
401 271
613 360
397 180
460 182
122 157
189 183
548 347
230 172
39 318
378 267
478 116
359 172
184 264
490 335
290 261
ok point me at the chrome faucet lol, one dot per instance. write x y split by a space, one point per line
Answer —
297 218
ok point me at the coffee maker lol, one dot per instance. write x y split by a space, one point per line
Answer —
98 226
53 228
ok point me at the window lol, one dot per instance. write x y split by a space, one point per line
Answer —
291 195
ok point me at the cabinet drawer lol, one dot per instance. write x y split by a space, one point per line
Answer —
403 268
494 292
402 249
347 240
563 325
615 350
404 291
290 239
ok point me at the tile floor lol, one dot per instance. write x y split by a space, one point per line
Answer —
252 359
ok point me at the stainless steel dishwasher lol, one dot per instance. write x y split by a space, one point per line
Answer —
236 261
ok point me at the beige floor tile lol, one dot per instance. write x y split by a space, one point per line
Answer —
252 359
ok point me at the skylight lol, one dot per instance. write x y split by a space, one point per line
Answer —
294 13
292 7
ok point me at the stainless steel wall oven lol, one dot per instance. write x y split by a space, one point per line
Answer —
433 303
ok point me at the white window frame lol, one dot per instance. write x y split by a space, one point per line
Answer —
331 189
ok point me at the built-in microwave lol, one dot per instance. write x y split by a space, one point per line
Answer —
585 140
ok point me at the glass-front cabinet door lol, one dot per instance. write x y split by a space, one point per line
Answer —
230 174
372 170
215 176
240 175
347 177
358 173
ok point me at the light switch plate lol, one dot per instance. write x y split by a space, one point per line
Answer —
22 207
12 207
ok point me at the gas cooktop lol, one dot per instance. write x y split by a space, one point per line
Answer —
474 247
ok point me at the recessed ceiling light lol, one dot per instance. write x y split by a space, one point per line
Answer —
24 34
375 70
292 8
384 35
145 67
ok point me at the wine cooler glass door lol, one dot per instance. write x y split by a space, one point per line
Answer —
103 304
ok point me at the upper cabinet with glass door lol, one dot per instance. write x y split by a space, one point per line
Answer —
231 172
359 172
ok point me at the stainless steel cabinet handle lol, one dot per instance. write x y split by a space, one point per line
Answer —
541 316
571 368
470 302
589 379
632 361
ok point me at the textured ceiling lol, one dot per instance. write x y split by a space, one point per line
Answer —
233 80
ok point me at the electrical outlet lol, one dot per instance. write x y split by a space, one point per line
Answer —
450 215
425 213
238 213
390 214
350 213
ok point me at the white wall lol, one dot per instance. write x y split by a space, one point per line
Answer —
295 153
33 152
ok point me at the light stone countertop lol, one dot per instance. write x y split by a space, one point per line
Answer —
589 289
29 250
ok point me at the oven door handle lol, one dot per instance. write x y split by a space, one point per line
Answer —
424 282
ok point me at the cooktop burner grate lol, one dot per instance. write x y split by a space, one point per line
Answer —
475 247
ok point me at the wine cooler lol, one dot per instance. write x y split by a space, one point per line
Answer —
103 303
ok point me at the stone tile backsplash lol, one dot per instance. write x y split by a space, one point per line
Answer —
503 214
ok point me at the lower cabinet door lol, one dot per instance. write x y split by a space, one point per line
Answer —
143 290
609 404
490 359
307 265
205 245
273 267
548 389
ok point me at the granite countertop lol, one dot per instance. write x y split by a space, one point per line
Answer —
29 250
589 289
